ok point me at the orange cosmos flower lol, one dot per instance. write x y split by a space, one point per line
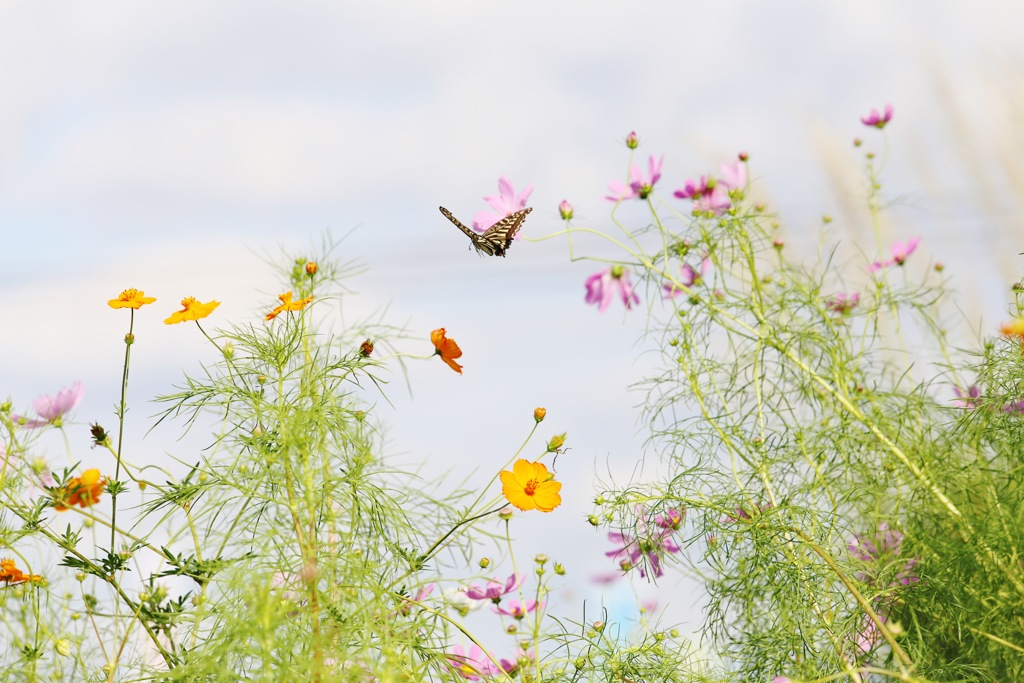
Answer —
529 486
131 298
288 305
191 310
9 573
1014 328
82 491
447 349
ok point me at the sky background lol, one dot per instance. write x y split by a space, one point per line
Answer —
175 147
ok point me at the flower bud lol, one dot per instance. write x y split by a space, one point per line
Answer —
556 442
559 568
261 379
129 339
229 351
99 435
631 140
939 267
143 485
539 413
592 520
778 244
505 513
565 210
598 626
485 562
366 348
541 559
62 647
311 268
743 156
510 629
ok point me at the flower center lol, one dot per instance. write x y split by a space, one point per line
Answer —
531 487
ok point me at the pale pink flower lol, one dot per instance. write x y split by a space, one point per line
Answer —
601 288
900 251
781 679
506 203
733 175
516 609
471 664
510 665
876 119
693 188
639 186
868 636
688 278
653 540
494 589
53 409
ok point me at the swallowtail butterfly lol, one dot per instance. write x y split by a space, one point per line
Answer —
497 238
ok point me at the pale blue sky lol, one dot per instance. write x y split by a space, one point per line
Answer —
161 145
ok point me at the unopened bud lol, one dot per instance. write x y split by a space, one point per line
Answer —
505 513
556 442
485 562
743 156
229 351
541 559
129 339
565 210
539 413
632 141
311 268
366 348
598 626
559 568
592 520
62 647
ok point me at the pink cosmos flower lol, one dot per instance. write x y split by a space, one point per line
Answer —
517 610
967 398
689 278
652 541
494 589
601 288
733 175
522 656
713 195
879 550
472 664
422 593
868 636
52 410
841 303
505 203
781 679
640 186
878 120
900 251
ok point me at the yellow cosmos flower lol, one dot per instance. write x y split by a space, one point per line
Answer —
288 305
191 310
529 486
131 298
9 573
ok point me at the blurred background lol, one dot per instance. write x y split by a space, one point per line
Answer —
177 148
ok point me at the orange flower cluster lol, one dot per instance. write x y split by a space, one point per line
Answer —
446 348
9 573
288 305
1014 328
82 491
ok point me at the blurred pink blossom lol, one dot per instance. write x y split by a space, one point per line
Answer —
517 609
51 409
640 186
876 119
506 202
494 589
967 398
688 278
653 540
900 251
602 286
471 664
842 302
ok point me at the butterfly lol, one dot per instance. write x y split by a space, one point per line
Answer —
497 238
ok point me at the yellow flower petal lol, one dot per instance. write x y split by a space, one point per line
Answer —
192 310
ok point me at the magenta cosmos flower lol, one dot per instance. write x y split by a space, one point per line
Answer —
53 409
967 398
506 202
715 195
516 609
880 549
494 589
842 303
876 119
900 251
640 186
653 540
601 288
688 278
471 664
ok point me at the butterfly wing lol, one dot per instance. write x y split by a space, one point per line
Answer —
499 236
473 237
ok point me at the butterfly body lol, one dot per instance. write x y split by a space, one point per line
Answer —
496 239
